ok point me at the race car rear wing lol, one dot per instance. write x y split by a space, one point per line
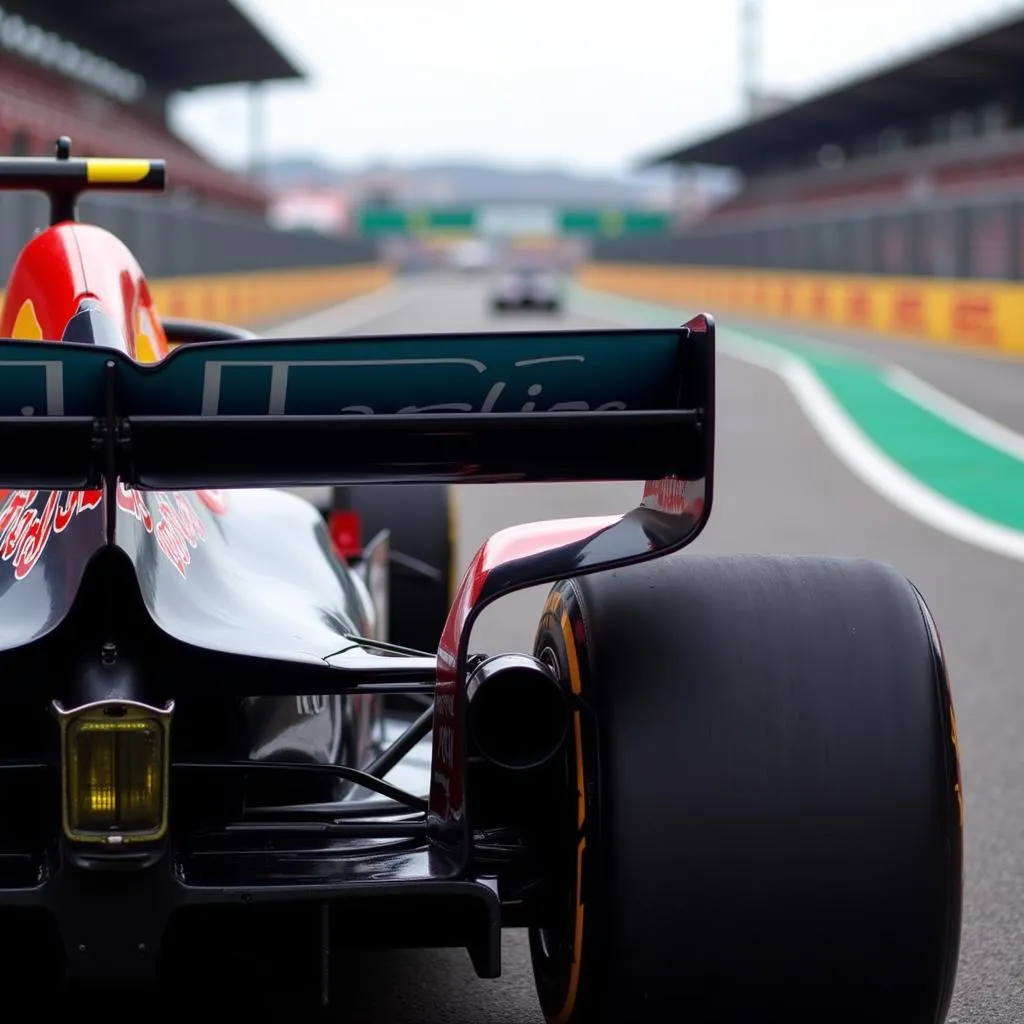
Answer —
540 406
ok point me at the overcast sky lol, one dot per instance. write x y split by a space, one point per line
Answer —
585 84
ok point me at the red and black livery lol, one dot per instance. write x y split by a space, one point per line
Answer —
730 782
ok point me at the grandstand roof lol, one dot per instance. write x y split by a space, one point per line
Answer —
173 44
973 70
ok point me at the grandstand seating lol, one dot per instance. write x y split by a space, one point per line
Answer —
36 107
950 174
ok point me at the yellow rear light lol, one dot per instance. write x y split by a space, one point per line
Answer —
115 759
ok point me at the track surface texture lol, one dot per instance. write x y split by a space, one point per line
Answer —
779 489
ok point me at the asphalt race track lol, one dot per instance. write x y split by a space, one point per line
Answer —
779 489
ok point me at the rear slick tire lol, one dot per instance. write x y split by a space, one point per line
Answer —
771 817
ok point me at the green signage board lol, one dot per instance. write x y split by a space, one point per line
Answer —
382 222
427 220
608 223
613 222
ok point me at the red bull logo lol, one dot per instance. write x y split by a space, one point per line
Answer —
26 528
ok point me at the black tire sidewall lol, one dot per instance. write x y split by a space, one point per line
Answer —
563 984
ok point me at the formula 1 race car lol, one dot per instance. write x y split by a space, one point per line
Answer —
725 782
526 288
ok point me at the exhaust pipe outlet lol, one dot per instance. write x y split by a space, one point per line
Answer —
518 711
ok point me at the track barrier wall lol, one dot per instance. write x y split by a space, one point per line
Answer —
262 297
210 264
982 315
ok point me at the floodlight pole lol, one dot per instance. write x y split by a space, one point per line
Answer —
750 43
257 126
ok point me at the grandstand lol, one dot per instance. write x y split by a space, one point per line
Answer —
103 73
915 169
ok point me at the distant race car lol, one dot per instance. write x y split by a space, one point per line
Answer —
238 740
525 288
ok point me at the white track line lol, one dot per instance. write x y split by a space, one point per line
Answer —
866 460
961 416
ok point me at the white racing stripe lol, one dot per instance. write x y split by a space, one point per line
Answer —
866 460
961 416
